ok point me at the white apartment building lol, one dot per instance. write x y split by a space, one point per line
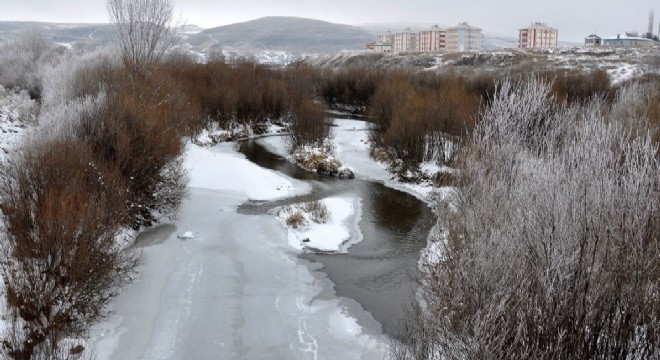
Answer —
537 35
385 38
405 41
463 38
432 40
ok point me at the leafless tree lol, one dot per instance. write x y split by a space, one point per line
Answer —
146 30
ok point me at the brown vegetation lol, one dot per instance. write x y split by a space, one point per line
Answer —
416 115
61 265
295 220
308 125
139 131
351 86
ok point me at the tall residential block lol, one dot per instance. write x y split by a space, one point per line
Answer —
432 40
463 38
537 35
405 41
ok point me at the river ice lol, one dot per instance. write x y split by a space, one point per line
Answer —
236 290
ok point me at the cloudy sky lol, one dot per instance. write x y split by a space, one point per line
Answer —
573 18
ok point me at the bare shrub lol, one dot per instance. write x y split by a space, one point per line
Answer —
350 86
417 116
392 93
308 125
553 249
141 136
61 264
246 95
580 86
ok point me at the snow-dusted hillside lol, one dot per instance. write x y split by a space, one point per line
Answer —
621 64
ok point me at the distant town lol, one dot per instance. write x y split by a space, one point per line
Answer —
466 38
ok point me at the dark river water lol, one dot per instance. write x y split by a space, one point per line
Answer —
380 272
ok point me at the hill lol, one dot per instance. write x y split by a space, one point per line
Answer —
62 33
290 34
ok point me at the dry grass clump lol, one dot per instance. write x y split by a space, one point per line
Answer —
296 219
299 214
317 211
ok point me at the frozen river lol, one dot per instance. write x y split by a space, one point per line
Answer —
238 290
234 291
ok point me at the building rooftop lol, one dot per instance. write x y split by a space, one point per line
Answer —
539 25
464 25
622 37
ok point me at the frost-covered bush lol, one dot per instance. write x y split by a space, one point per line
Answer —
78 75
553 250
21 60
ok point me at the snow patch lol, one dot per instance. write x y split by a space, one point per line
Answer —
187 235
339 231
221 168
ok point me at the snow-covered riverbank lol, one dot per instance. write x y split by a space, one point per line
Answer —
235 290
350 140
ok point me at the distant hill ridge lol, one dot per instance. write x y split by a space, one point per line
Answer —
286 34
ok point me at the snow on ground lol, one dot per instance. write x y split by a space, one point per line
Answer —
187 235
623 72
351 143
213 134
17 114
222 168
339 231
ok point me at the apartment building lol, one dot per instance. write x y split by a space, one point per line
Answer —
385 38
463 37
432 40
537 35
405 41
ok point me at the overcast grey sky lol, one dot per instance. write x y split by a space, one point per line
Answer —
574 18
